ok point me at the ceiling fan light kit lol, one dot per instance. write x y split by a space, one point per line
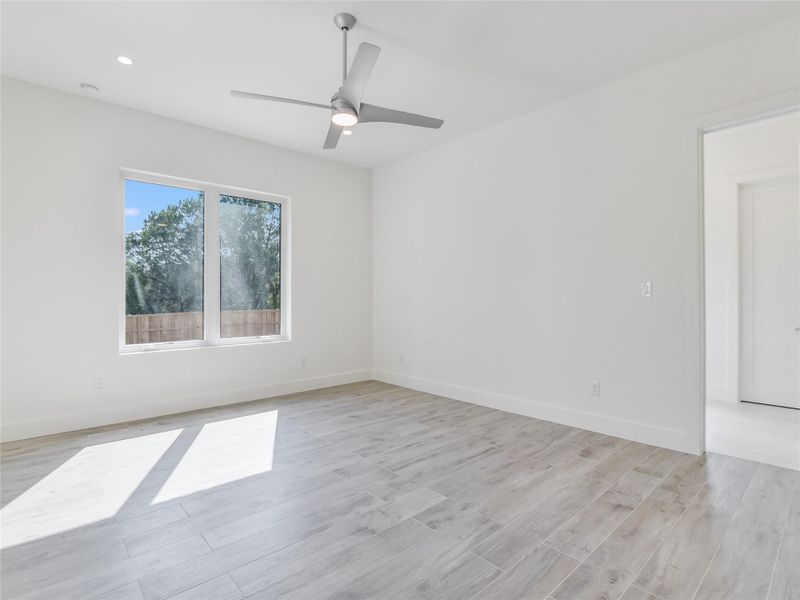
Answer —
343 114
346 106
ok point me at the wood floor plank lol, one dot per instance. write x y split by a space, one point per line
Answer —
608 583
309 517
635 593
660 463
786 577
347 532
405 570
413 502
509 471
610 569
476 470
674 572
463 577
445 459
532 578
91 583
584 532
219 588
638 536
636 483
459 518
225 513
337 569
530 528
265 488
131 591
189 573
36 573
503 502
603 448
686 479
743 565
615 466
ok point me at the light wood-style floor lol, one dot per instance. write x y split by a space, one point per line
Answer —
374 491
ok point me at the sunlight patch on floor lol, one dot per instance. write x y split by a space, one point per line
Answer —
89 487
223 452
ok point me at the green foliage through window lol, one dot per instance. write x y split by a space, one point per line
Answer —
250 253
164 260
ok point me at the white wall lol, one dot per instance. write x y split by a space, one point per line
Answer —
61 256
751 152
507 263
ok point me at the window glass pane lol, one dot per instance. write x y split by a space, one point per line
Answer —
163 263
250 267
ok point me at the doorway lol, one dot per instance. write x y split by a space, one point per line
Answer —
752 290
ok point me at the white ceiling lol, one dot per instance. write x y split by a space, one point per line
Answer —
471 63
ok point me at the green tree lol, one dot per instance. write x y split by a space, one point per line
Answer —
250 253
164 260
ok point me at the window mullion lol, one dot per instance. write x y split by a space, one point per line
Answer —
212 278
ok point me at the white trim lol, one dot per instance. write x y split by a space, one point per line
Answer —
631 430
144 409
211 284
693 129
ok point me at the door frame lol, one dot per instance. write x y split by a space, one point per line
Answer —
693 130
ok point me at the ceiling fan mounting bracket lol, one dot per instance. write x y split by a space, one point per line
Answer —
344 20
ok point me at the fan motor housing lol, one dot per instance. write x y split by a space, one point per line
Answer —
344 20
338 103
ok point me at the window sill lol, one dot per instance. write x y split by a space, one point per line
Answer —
201 344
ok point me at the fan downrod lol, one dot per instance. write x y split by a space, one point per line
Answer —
344 20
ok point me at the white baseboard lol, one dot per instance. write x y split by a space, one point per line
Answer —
50 424
640 432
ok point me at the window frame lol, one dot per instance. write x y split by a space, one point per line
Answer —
211 262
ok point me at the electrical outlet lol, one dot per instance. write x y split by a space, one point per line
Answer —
98 385
303 362
595 388
402 359
647 289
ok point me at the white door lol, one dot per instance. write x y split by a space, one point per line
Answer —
769 261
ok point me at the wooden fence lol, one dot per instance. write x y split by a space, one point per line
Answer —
176 327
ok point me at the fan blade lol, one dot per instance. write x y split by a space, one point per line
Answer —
334 131
353 87
238 94
379 114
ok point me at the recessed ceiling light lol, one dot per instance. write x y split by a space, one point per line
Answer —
124 60
88 87
347 132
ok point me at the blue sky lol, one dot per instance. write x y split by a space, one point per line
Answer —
143 198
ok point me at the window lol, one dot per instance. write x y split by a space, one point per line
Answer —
163 263
204 264
250 266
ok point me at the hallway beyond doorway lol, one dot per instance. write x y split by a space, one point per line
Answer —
768 434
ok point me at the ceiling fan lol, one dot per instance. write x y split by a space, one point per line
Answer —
346 106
